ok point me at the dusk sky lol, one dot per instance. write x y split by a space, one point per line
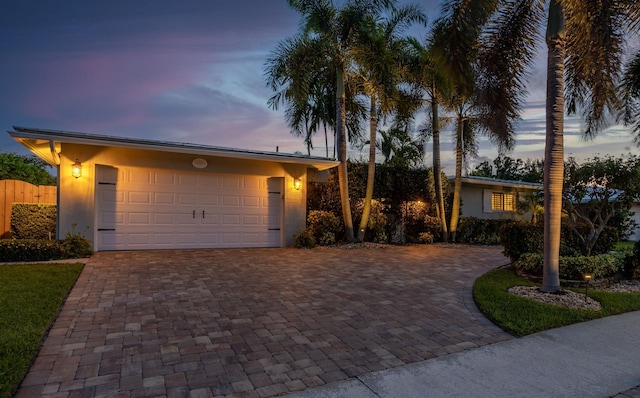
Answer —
187 71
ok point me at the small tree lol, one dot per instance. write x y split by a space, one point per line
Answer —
596 190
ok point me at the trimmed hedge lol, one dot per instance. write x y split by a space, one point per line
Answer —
30 250
518 238
73 246
33 221
574 268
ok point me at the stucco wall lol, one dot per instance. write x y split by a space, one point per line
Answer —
476 202
77 196
636 235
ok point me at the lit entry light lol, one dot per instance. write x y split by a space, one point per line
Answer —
76 169
297 184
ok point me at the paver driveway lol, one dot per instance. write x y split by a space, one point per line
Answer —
258 322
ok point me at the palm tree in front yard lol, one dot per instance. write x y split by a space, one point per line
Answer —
585 45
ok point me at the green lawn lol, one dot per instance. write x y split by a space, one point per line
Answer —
521 316
30 296
624 245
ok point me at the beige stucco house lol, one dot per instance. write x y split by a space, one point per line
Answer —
484 197
135 194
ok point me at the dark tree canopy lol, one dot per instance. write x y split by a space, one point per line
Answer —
25 168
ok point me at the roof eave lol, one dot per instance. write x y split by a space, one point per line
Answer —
36 140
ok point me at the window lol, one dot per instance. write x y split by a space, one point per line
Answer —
503 201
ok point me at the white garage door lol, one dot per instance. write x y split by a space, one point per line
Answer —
161 209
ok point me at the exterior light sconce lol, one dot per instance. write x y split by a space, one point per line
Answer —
76 169
587 278
297 184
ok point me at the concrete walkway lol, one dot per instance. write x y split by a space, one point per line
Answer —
259 322
599 359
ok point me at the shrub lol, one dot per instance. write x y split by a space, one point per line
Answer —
33 221
480 231
322 225
632 262
573 268
522 237
30 250
75 245
518 238
304 239
425 237
377 225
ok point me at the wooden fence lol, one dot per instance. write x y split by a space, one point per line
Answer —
12 191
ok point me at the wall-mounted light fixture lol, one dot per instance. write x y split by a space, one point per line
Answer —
297 184
76 169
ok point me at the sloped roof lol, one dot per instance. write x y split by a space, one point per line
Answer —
46 145
498 182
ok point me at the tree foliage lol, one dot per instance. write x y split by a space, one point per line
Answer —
507 168
598 189
25 168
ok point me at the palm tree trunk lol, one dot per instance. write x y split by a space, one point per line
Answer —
554 148
341 135
371 171
437 168
455 207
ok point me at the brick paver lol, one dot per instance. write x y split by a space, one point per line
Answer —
258 322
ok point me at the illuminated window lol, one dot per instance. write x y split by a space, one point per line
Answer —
503 201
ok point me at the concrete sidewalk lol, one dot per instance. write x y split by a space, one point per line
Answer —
600 358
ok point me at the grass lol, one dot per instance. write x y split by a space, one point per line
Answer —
521 316
30 296
624 245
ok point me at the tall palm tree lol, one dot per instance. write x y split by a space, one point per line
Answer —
585 43
429 77
335 30
379 58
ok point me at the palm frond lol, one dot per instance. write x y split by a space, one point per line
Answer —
595 46
630 96
507 50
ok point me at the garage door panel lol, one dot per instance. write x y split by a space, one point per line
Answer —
231 182
164 198
165 209
164 178
231 201
188 180
139 197
210 200
164 219
187 199
139 176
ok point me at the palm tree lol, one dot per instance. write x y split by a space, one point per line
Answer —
378 56
585 44
399 148
306 92
429 77
334 32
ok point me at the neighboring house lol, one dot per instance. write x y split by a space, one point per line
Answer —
484 197
635 236
132 194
